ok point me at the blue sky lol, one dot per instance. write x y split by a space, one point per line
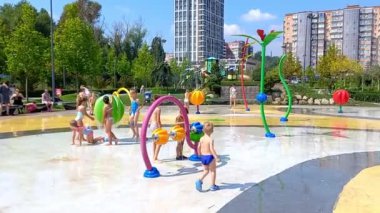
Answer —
241 16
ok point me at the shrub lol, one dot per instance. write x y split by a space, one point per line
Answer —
365 96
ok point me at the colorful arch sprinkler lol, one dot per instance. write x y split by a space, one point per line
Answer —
288 92
117 93
152 172
262 97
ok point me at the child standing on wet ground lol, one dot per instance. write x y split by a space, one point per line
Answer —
108 120
134 114
155 123
179 120
208 157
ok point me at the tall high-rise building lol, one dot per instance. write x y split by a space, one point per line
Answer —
199 29
354 30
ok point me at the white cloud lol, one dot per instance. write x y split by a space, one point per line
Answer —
255 15
232 29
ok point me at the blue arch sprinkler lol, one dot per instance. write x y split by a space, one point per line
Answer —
262 97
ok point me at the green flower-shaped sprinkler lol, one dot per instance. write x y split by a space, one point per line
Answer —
262 97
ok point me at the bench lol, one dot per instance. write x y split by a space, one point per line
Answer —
12 109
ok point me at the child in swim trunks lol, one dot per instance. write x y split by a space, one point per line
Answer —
208 157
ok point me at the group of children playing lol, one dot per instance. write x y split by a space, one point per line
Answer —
84 99
206 149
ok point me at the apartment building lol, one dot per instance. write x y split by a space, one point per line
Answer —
199 29
354 30
234 54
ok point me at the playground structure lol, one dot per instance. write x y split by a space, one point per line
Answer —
288 92
152 172
341 97
209 62
122 89
197 98
117 106
262 97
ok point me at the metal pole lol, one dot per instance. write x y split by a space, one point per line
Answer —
52 51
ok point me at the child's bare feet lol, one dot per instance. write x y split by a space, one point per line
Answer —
116 141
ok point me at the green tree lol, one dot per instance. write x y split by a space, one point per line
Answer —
43 23
271 78
325 66
162 75
334 66
176 71
157 51
26 48
187 74
292 67
134 40
375 74
161 72
124 69
344 67
214 79
76 48
310 74
143 66
325 63
87 10
10 16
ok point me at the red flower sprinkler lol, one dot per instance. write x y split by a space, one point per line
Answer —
341 97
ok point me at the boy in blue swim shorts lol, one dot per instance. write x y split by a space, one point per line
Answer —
208 157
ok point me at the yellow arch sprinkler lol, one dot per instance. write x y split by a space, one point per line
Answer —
122 89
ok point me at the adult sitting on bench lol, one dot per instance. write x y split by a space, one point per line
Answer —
46 99
17 98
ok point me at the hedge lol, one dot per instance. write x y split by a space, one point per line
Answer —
365 96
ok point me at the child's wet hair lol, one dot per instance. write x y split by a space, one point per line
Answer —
106 99
73 123
208 128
